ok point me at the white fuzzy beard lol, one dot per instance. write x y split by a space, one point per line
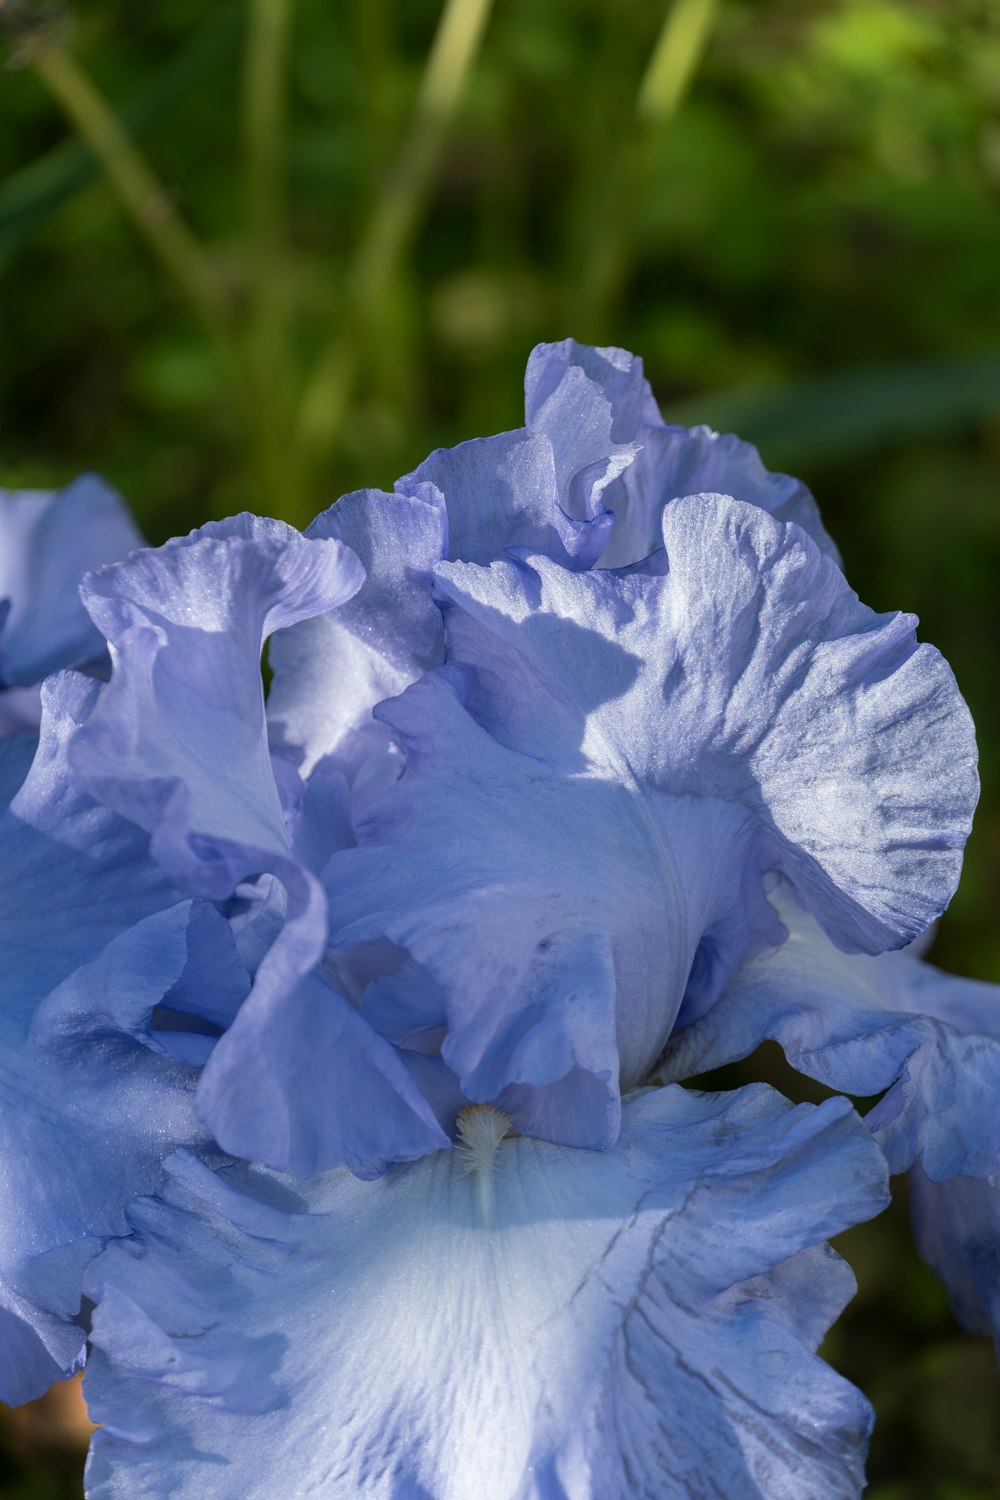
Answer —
481 1128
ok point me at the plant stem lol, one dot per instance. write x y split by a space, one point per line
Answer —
678 51
457 40
149 205
671 70
264 80
137 187
265 74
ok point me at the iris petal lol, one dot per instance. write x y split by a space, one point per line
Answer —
89 1106
865 1025
611 766
47 543
551 1323
591 402
177 741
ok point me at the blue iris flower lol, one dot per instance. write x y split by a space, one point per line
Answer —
47 543
582 770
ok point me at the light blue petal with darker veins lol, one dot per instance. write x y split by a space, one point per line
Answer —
526 1332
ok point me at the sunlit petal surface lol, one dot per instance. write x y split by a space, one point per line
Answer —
606 772
551 1323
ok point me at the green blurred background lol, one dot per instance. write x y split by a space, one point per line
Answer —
353 236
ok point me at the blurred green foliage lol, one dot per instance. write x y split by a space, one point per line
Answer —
807 250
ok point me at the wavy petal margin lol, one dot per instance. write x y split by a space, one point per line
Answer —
593 402
601 781
89 1107
177 743
552 1323
331 670
864 1025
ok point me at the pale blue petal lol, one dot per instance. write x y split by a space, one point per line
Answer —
599 784
594 455
93 939
502 960
864 1025
750 672
323 823
72 874
330 671
88 1110
957 1228
20 710
311 1086
213 983
527 1331
593 403
678 461
608 382
177 741
504 491
47 543
17 751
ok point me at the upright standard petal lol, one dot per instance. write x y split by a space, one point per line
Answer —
331 670
177 741
606 774
677 461
749 671
468 502
609 382
584 483
507 491
591 401
594 406
514 1321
